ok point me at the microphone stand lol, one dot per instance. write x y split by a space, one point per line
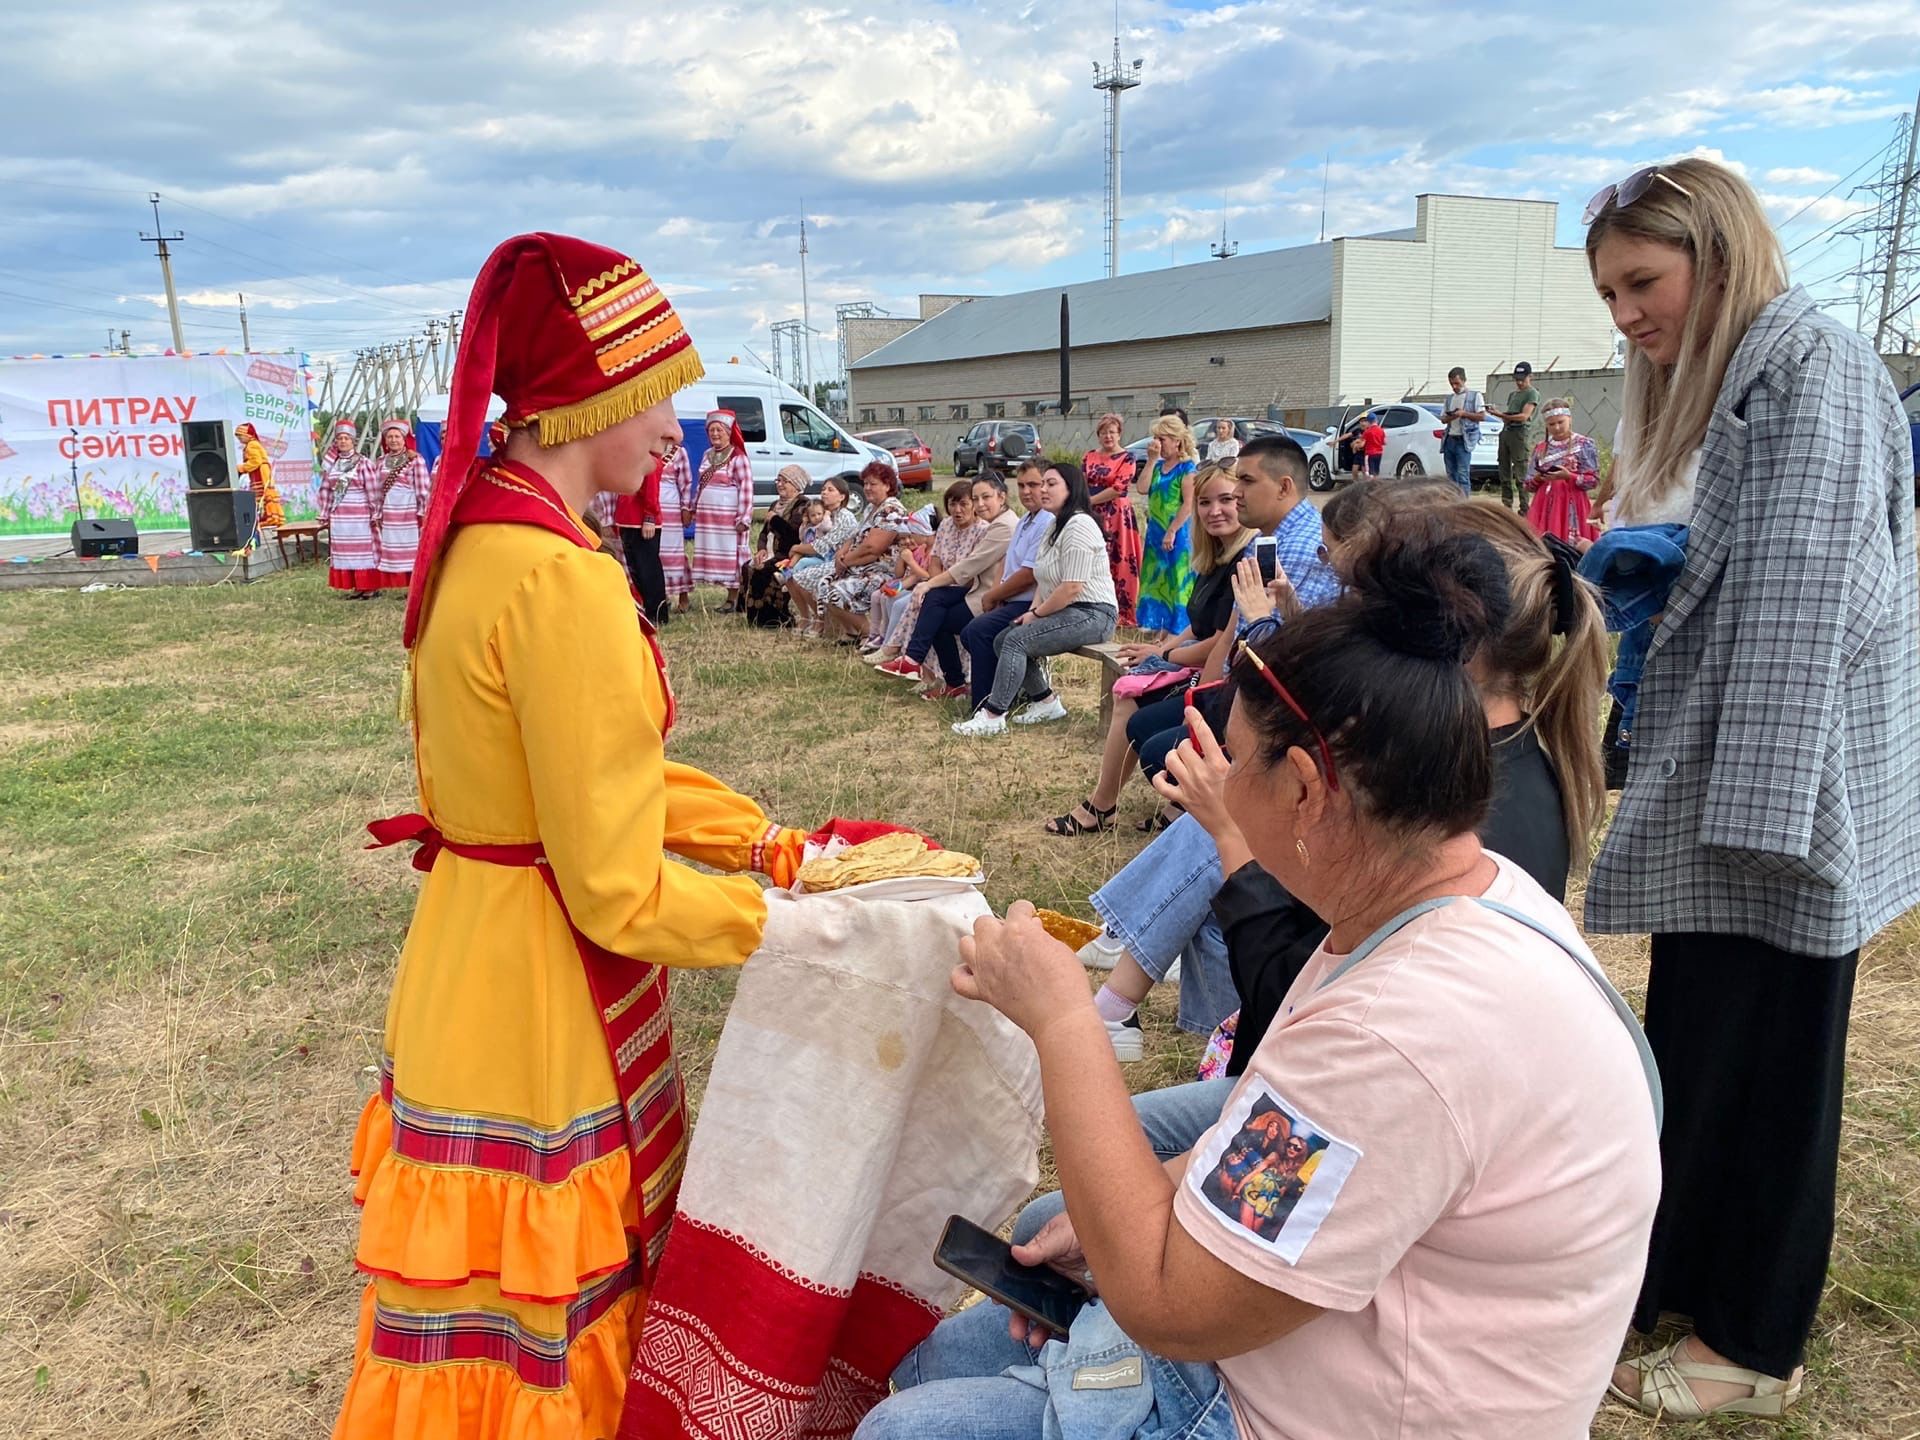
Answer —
73 469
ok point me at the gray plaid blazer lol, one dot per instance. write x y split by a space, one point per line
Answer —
1773 788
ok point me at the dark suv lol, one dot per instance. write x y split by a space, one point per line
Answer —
984 446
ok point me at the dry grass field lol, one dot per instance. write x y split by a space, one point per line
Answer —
195 952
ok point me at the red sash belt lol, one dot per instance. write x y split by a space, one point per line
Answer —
631 1000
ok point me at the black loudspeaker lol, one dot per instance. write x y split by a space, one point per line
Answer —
220 519
94 538
208 454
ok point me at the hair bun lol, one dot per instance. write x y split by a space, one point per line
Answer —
1428 593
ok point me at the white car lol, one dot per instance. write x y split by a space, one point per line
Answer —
1413 444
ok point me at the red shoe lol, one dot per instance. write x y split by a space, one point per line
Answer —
946 692
900 669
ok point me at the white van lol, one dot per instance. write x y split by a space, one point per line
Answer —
800 434
781 427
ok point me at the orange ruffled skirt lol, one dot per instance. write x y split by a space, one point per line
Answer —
501 1307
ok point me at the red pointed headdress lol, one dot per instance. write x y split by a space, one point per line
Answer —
575 338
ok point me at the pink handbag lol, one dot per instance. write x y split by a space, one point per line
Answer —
1151 684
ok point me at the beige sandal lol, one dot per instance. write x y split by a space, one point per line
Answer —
1664 1390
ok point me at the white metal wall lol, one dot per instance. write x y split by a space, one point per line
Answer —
1482 286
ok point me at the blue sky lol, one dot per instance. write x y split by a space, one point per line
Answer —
348 169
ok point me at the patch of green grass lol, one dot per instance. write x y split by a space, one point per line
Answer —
195 954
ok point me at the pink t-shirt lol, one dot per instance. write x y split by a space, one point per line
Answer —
1451 1149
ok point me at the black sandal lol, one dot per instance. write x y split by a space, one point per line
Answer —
1071 824
1154 823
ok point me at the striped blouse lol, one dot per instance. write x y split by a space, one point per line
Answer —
1079 554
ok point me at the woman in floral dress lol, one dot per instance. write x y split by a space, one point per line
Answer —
1166 575
1110 471
1561 477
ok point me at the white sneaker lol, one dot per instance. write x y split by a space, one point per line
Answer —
1172 977
982 722
1041 711
1129 1044
1102 952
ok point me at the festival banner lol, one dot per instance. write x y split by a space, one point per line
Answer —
117 419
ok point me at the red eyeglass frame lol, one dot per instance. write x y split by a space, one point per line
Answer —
1246 652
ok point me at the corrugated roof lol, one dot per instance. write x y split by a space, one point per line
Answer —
1248 292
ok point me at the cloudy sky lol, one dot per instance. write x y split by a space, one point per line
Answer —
348 166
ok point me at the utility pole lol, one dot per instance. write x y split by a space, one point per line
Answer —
806 309
126 342
246 343
1892 276
160 238
1115 80
1224 251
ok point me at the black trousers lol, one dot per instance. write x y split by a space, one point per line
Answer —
643 566
1752 1044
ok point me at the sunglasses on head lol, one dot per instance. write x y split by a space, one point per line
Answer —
1628 192
1246 652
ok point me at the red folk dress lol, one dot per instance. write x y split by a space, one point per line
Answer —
1120 523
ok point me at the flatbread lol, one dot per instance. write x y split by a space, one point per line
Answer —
885 857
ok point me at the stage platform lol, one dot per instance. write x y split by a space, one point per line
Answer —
47 563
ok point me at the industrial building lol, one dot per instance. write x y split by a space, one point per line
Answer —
1477 282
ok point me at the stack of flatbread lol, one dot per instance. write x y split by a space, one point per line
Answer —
885 857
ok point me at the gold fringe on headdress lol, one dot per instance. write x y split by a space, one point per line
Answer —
625 400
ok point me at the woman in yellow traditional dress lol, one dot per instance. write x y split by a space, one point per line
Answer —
258 469
519 1165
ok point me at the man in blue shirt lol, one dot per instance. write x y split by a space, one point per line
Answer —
1013 596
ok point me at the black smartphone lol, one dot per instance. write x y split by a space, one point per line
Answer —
1266 554
986 1262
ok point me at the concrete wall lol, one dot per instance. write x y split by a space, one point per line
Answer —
1286 366
1482 285
864 336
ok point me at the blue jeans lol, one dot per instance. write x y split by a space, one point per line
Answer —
1021 652
970 1380
1457 456
979 636
1160 906
943 615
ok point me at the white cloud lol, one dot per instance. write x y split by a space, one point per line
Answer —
1799 175
932 145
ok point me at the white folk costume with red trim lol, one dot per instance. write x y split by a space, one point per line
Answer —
723 511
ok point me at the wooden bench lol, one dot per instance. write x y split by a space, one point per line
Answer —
1107 654
306 530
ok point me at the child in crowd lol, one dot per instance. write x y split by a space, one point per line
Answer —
816 520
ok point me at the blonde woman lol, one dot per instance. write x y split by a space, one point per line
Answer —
1166 573
1770 821
1217 543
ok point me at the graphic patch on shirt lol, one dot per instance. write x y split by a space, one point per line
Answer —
1269 1173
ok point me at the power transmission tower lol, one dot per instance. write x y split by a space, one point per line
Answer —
852 310
1115 80
1892 232
1224 251
789 336
161 239
806 308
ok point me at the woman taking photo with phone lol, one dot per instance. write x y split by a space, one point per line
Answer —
1459 1245
1770 823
